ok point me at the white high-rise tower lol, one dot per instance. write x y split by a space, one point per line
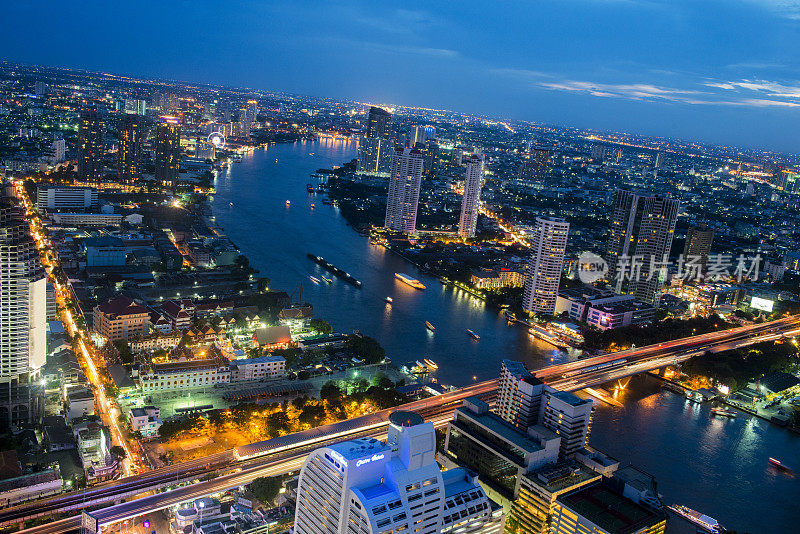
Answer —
473 181
546 263
404 186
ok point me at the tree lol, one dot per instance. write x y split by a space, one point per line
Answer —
330 392
312 414
118 451
365 347
320 325
124 351
265 489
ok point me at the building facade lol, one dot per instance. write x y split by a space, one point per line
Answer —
698 243
59 197
546 264
168 150
365 486
90 146
404 186
121 318
129 151
470 201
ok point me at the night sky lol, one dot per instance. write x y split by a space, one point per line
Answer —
720 71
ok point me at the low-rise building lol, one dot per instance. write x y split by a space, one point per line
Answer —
272 337
30 487
184 374
269 366
623 311
94 449
146 420
121 318
155 341
104 251
80 403
87 219
498 278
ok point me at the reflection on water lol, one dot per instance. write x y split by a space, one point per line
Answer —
715 465
276 237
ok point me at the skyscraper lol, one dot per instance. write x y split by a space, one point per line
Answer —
375 148
404 186
378 122
168 150
533 167
659 160
519 395
599 152
547 260
365 486
135 106
698 243
90 146
421 134
23 308
473 181
129 152
639 242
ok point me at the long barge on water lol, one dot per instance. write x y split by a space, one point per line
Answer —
344 275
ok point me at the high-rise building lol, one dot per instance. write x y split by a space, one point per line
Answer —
168 150
40 88
134 106
370 487
23 309
252 110
639 242
421 134
659 160
607 506
519 395
378 123
698 243
532 512
58 197
375 149
129 151
497 451
533 166
599 152
404 185
473 181
58 150
90 146
548 246
524 401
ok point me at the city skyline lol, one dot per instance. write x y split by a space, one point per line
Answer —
680 79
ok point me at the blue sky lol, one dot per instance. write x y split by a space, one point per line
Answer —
723 71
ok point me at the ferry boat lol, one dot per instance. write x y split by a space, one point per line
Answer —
309 188
475 336
312 206
430 364
329 280
540 333
388 300
708 524
722 412
430 326
420 367
413 282
288 202
779 464
314 279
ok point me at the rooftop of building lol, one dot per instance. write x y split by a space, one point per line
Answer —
623 306
122 306
569 398
358 448
103 241
560 476
272 335
269 358
496 425
610 510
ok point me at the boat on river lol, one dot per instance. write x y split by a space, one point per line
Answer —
540 333
475 336
344 275
722 412
329 280
430 364
313 279
780 465
430 326
388 300
706 523
413 282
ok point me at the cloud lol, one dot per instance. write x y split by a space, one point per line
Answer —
633 91
789 9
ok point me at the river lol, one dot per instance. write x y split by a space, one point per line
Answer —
276 238
717 466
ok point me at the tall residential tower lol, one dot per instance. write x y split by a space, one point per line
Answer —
404 186
168 150
473 181
131 137
547 260
90 146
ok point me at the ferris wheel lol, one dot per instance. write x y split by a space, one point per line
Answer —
216 139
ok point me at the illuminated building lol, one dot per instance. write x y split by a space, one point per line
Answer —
59 197
370 487
473 181
533 167
90 146
421 134
121 318
639 242
599 152
524 401
546 263
375 148
698 242
378 122
23 309
404 186
135 106
168 150
129 152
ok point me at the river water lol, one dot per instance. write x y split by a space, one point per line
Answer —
717 466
